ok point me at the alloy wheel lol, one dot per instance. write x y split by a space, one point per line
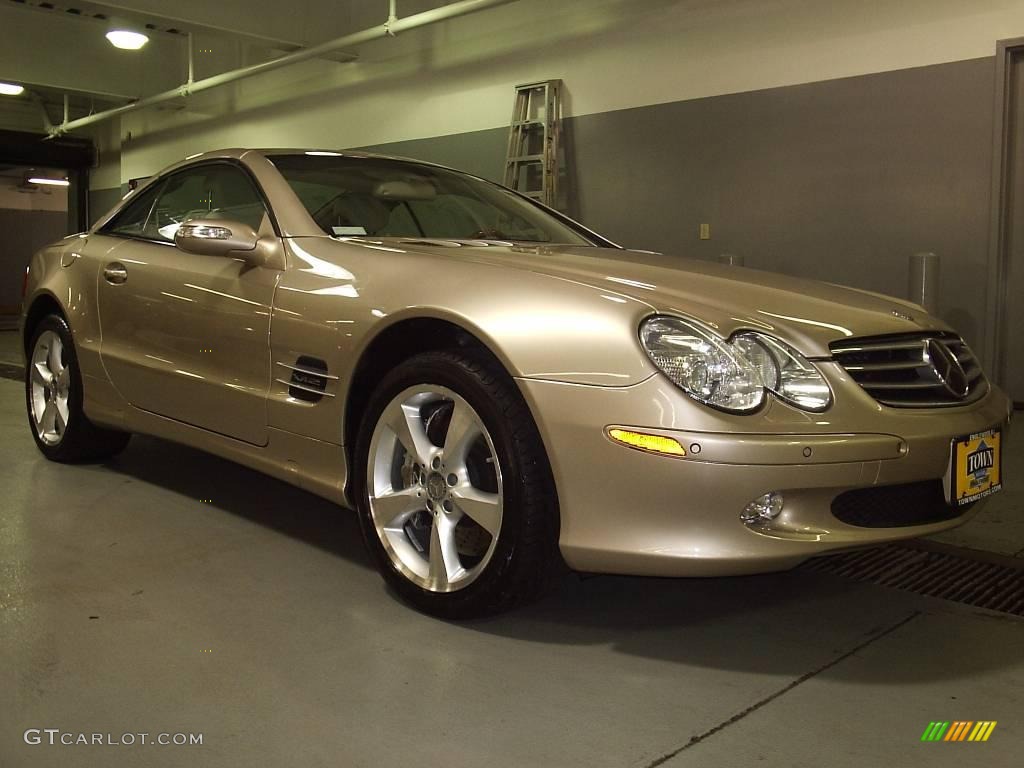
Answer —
50 382
434 487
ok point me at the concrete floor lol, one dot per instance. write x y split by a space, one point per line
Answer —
9 340
168 591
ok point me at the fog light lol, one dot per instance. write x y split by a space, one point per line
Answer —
763 509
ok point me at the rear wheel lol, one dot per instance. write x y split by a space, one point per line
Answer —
53 394
456 500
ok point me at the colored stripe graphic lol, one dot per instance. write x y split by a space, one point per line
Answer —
982 730
958 730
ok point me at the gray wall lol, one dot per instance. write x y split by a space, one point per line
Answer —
101 201
22 233
838 180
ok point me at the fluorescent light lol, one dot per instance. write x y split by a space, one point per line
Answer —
11 89
318 153
49 182
126 39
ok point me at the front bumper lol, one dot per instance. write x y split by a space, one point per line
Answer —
631 512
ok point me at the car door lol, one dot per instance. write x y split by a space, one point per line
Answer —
183 335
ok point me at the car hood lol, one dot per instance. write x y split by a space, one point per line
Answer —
806 313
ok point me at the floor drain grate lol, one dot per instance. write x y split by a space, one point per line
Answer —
980 579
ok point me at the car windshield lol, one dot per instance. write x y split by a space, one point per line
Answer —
379 197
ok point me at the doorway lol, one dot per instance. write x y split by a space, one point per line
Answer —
1007 278
33 212
43 197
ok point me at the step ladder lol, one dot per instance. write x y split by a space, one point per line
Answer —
531 163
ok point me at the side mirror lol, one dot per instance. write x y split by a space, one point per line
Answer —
216 237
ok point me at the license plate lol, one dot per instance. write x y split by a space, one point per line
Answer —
975 467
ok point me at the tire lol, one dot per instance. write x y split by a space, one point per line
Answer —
457 533
53 399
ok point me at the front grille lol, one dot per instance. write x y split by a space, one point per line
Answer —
897 371
895 506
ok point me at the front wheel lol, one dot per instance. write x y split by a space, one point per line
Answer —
53 395
455 495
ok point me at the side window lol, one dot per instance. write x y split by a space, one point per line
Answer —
131 221
209 191
184 196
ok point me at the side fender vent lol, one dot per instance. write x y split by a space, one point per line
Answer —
308 379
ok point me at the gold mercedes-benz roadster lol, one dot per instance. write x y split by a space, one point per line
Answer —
495 388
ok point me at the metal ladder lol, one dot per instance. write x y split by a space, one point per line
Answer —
531 163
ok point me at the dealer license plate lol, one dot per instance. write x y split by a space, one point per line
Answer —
975 467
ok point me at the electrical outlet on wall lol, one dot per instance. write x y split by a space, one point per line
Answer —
705 231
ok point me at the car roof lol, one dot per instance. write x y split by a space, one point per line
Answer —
238 152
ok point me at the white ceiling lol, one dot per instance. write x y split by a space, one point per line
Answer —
58 47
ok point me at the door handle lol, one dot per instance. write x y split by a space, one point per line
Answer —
115 273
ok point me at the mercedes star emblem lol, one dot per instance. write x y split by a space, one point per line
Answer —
947 368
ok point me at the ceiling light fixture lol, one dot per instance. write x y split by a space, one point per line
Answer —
11 89
126 39
49 182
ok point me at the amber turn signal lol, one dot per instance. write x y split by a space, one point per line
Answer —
645 442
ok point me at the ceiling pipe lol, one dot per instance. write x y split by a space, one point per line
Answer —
392 18
445 12
65 88
191 62
48 126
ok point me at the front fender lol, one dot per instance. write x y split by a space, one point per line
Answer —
338 297
540 326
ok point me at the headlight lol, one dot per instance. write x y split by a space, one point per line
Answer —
732 375
702 364
785 371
